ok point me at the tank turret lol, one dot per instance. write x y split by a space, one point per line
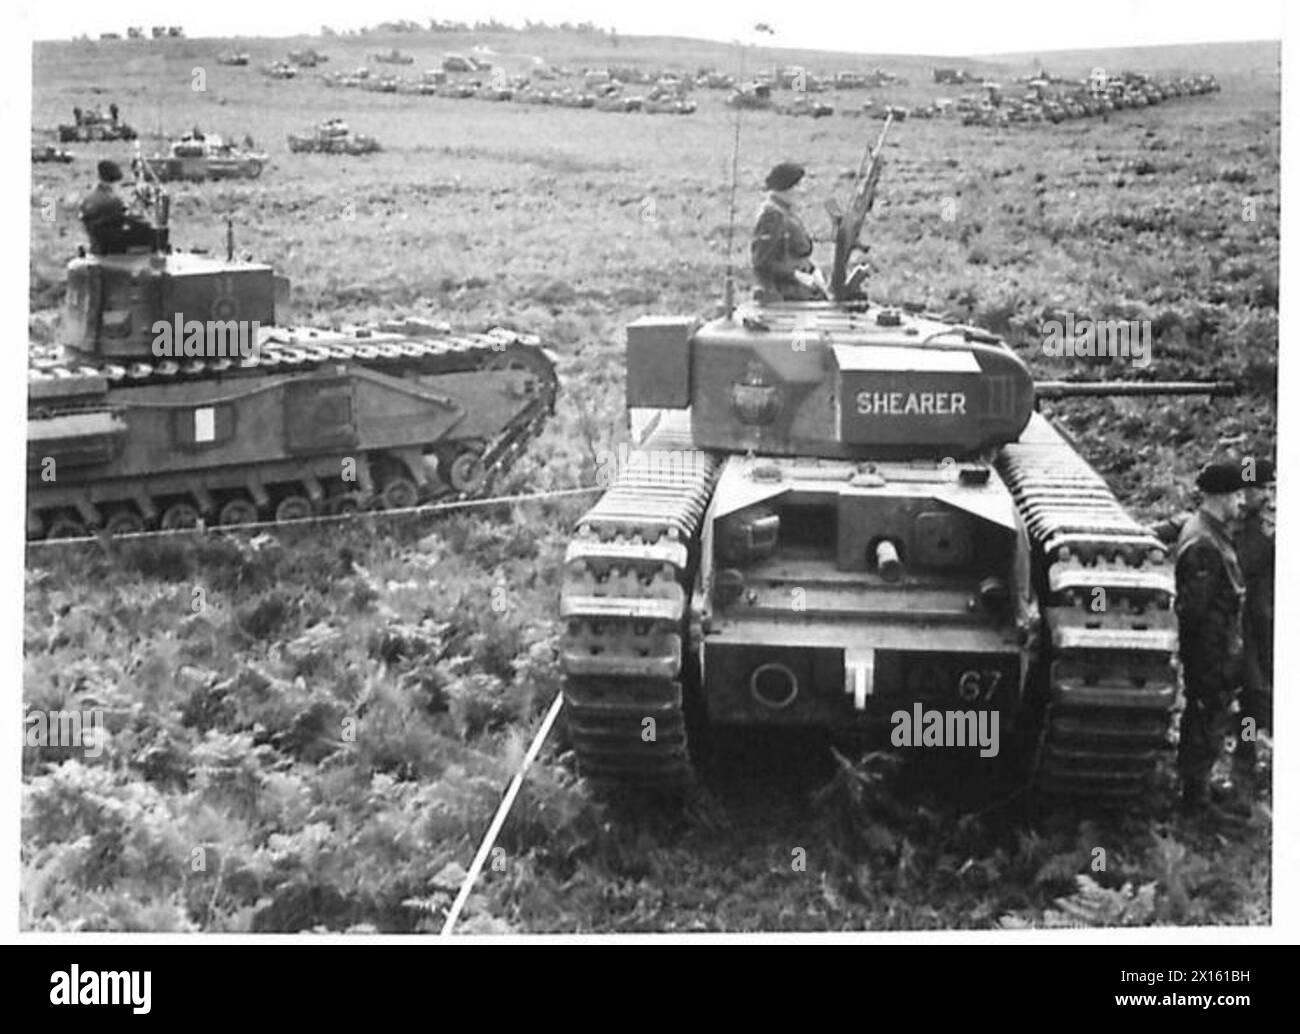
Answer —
117 305
829 380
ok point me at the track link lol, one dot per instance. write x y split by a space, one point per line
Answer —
625 599
1111 631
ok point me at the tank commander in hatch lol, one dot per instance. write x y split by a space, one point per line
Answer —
781 249
109 226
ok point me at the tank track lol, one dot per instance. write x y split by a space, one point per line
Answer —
628 574
59 386
1111 680
392 349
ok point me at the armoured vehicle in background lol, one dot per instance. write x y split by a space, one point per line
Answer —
807 107
751 96
832 512
668 105
308 58
332 137
93 126
206 157
392 57
239 419
49 153
280 70
235 58
381 84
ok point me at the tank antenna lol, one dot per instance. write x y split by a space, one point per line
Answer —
729 281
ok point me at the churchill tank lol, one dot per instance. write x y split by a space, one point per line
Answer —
175 395
835 513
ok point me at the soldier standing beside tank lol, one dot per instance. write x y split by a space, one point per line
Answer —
781 250
1256 555
1210 589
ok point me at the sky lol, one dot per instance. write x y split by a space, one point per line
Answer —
908 27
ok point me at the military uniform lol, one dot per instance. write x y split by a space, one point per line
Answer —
1256 554
110 228
1210 589
781 247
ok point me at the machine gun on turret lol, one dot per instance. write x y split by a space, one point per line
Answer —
152 197
848 224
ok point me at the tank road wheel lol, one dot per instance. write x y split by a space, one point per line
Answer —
399 493
466 473
347 503
180 515
238 511
66 526
124 521
294 508
254 169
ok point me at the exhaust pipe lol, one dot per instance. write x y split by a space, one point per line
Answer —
888 563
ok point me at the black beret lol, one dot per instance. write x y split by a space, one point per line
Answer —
1264 472
784 176
1219 479
109 171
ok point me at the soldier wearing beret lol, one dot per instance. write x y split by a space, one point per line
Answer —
1210 589
781 250
109 226
1256 555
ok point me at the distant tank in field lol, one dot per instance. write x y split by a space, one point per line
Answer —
392 57
49 153
206 156
237 419
93 126
307 58
752 96
333 137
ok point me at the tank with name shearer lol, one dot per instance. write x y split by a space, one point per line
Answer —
850 516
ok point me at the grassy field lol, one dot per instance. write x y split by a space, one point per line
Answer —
229 795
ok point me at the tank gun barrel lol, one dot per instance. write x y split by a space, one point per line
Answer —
1092 389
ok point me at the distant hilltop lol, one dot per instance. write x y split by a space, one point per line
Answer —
587 42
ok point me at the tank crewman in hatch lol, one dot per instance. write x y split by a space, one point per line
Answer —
781 250
108 224
1209 588
1256 555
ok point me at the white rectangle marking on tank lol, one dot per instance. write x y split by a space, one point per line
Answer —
205 424
859 675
